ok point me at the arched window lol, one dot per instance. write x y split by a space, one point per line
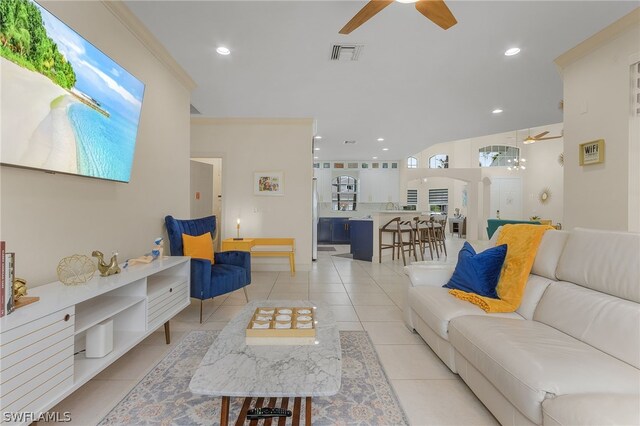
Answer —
344 193
439 161
497 155
412 163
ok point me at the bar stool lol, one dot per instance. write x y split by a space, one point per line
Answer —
423 237
439 235
396 229
407 227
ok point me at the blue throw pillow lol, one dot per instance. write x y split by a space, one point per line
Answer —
478 273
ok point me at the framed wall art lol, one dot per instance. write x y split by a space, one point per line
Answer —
592 152
268 183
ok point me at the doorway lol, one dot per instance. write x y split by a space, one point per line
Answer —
206 190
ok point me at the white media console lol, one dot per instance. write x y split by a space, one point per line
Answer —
38 367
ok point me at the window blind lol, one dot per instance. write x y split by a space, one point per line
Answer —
412 197
438 196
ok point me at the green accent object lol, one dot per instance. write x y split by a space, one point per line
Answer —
493 224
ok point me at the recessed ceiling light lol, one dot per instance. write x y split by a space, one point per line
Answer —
496 111
380 139
512 51
375 158
385 149
407 1
317 149
223 50
317 137
315 158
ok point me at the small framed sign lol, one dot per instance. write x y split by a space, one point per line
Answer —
592 152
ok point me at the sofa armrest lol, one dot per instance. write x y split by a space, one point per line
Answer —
236 258
429 275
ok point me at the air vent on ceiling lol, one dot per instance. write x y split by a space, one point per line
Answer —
346 52
349 142
194 110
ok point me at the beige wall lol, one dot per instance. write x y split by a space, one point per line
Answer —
597 106
543 170
46 217
250 145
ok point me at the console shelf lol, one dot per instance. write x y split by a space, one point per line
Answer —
43 337
96 310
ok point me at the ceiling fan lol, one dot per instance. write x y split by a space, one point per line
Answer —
539 137
435 10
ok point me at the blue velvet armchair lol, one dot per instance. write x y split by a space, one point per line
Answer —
230 271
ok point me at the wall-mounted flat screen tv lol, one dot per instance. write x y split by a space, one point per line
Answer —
65 106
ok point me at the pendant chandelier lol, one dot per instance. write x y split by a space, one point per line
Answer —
518 163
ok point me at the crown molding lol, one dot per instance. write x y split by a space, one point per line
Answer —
142 33
600 38
204 121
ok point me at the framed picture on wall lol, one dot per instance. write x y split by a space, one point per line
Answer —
592 152
268 183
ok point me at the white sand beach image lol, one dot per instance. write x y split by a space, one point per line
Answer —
36 131
65 106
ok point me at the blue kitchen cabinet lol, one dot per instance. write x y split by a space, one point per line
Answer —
333 230
361 239
324 230
340 230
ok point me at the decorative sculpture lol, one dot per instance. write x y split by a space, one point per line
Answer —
156 252
19 289
104 268
76 269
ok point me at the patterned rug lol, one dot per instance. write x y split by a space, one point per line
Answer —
162 397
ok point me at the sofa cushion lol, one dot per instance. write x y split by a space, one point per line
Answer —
437 307
605 261
548 253
529 361
478 272
605 322
592 410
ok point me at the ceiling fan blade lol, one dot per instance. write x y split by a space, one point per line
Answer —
538 136
550 137
438 12
366 13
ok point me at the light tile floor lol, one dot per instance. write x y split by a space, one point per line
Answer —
362 295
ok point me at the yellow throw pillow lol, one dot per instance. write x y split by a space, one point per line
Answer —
200 247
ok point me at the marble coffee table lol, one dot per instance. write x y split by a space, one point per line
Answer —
231 368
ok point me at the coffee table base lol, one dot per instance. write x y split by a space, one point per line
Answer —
271 403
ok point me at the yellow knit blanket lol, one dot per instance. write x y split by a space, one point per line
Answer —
522 242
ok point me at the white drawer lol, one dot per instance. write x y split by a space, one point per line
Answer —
161 308
15 399
35 358
35 329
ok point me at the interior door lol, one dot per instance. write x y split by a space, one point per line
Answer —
506 196
201 189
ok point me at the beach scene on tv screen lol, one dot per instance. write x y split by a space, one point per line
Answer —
65 105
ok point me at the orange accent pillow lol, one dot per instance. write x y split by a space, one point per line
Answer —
200 246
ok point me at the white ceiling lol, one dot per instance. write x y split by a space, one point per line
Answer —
414 84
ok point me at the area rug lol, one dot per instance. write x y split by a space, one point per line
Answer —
163 398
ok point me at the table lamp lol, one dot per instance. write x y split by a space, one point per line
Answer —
238 230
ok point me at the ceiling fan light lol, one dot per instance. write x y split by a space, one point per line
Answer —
529 140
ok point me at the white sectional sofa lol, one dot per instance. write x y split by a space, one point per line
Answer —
569 355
